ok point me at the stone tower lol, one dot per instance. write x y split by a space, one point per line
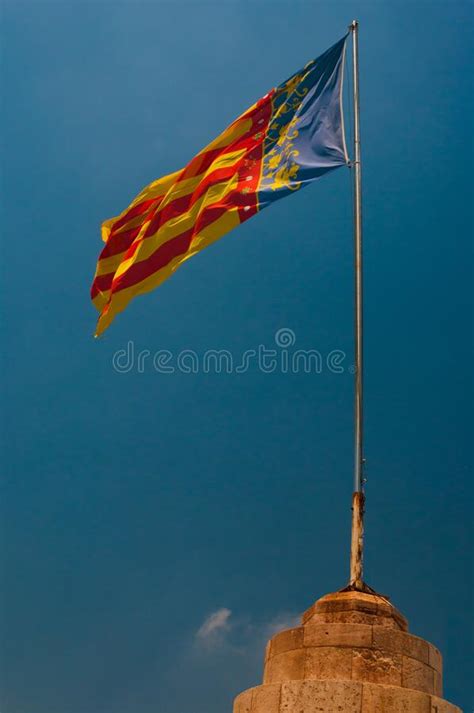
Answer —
351 654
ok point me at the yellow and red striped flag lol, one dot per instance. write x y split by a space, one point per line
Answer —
289 138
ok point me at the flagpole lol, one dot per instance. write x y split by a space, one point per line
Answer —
358 498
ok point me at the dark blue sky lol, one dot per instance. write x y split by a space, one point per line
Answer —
135 505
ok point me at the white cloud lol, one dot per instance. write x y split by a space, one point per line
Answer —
224 656
242 637
214 626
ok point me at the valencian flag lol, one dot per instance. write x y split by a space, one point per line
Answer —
290 137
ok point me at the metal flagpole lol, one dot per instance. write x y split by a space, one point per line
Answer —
358 499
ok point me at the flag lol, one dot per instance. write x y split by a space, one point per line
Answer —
289 138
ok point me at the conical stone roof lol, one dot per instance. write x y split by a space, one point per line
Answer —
352 654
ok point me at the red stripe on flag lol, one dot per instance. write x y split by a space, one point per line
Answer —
121 242
175 247
102 283
134 212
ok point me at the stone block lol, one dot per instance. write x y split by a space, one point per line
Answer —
266 699
321 697
390 699
377 666
326 662
440 706
388 623
342 601
243 702
286 641
307 616
288 666
352 635
355 617
401 642
438 684
435 658
417 675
